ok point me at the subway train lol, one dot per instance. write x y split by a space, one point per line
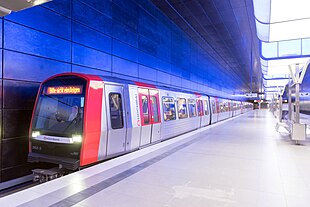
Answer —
304 102
80 119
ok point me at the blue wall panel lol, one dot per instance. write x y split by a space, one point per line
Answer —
147 73
163 77
148 45
126 18
19 94
103 6
43 19
130 39
128 6
23 39
126 51
176 81
81 69
125 34
90 57
186 84
31 68
176 71
148 26
122 66
91 17
60 6
91 38
1 31
148 60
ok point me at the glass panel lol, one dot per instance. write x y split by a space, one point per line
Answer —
262 10
287 19
155 109
263 31
182 110
200 107
221 107
192 108
269 49
290 48
306 47
116 111
145 109
206 107
169 108
59 114
213 107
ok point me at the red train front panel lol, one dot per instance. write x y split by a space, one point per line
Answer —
66 122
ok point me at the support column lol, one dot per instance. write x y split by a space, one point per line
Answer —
290 103
280 107
297 87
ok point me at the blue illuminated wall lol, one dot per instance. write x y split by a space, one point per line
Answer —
125 38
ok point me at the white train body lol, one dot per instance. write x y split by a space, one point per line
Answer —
114 117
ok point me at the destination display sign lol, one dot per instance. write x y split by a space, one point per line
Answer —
62 90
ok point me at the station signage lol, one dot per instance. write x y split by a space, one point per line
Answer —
62 90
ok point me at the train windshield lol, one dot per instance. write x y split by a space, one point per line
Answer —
60 111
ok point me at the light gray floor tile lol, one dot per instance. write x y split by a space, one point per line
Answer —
242 163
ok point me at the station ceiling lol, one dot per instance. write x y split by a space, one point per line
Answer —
226 31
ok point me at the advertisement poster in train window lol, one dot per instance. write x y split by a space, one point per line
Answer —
200 107
182 108
169 108
192 108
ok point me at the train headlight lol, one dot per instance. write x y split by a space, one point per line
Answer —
77 138
35 134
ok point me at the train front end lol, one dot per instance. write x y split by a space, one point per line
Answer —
59 133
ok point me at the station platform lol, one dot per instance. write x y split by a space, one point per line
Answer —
240 162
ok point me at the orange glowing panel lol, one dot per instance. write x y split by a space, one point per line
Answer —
59 90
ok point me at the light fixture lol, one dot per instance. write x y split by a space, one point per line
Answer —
6 6
35 134
77 138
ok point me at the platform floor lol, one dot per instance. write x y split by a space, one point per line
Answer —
241 162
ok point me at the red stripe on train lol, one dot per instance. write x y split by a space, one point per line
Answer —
92 121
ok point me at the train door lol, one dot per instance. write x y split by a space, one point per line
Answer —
213 110
150 116
229 109
200 111
116 143
207 114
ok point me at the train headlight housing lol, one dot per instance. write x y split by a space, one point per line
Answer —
77 138
35 134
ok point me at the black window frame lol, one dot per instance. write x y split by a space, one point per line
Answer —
121 110
192 102
174 115
186 110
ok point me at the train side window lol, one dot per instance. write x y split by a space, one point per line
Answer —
206 107
116 111
192 108
155 109
213 107
182 110
222 107
169 108
145 109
